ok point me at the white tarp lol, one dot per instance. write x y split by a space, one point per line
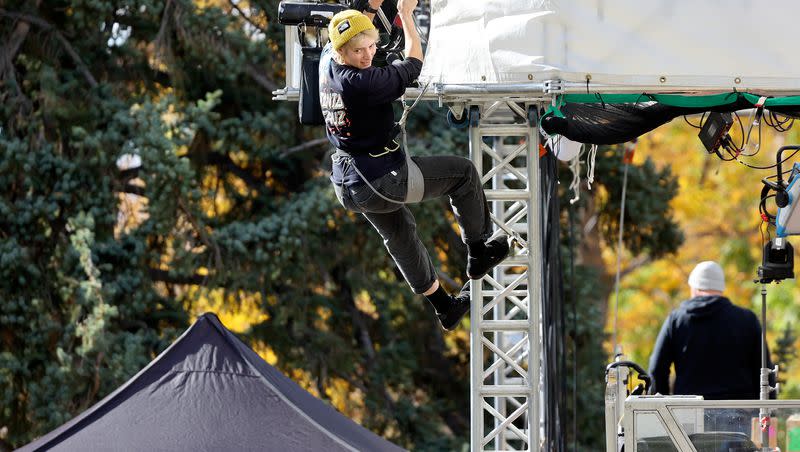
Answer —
706 44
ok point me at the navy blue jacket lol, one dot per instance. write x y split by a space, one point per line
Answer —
716 349
357 106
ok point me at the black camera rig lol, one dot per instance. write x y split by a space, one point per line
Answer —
778 255
777 262
311 19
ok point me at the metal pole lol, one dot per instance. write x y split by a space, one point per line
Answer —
763 413
476 345
535 271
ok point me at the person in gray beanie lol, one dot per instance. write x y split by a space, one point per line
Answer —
714 345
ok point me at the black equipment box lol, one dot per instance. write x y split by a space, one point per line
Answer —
308 13
714 130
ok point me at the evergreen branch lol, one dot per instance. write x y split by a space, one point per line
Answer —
363 336
209 42
46 26
304 146
203 234
165 277
352 382
7 55
246 17
162 41
224 162
9 51
90 397
257 74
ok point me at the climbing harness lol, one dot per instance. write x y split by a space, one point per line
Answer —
415 181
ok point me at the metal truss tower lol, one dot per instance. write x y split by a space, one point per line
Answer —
506 345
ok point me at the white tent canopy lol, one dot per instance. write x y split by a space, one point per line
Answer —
672 44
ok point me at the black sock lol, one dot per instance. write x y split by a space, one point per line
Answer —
439 299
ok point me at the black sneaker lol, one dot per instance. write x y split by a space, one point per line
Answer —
456 310
486 259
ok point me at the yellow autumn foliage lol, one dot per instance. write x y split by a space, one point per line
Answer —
717 209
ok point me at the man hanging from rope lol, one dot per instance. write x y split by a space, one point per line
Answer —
373 175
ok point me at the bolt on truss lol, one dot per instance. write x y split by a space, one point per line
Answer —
505 356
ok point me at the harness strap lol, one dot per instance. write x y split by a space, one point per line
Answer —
416 183
338 188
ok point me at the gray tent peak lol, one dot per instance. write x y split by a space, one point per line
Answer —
210 391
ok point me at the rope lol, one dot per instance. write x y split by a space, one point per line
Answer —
575 185
590 160
407 109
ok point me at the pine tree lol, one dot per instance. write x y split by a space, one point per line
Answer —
144 167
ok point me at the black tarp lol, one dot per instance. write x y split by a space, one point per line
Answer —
210 391
613 123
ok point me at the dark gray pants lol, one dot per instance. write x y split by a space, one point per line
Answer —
452 176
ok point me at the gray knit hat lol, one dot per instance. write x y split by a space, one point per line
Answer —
707 275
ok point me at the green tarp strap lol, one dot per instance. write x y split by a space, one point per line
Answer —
554 110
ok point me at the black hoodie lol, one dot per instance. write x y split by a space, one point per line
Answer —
716 349
359 117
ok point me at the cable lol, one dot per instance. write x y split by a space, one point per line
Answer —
771 166
778 124
553 340
762 209
747 141
728 146
574 301
783 173
699 126
619 251
741 129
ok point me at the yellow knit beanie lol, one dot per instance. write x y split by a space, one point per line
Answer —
345 25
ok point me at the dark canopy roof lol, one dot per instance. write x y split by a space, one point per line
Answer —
210 391
617 118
